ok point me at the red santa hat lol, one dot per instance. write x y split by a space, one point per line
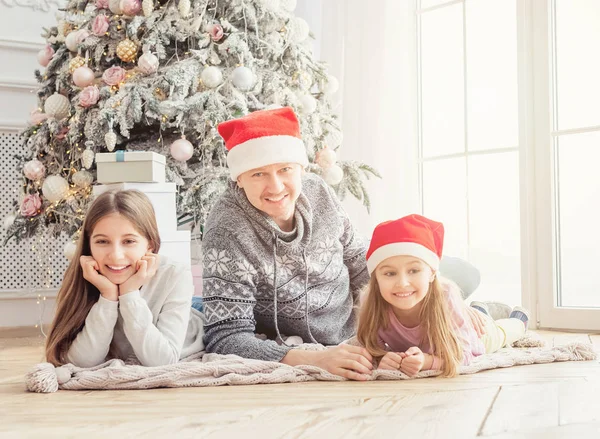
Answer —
412 235
262 138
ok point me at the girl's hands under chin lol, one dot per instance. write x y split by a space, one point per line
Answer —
145 269
91 273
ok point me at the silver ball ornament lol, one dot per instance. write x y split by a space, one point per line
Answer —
243 78
57 106
82 179
69 250
211 76
182 149
55 188
333 175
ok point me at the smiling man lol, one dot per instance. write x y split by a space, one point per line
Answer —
280 254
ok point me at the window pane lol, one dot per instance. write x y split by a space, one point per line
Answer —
578 63
442 81
492 109
579 234
494 221
445 200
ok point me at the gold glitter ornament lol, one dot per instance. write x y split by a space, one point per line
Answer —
127 50
75 63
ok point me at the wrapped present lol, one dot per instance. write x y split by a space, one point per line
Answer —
130 166
161 195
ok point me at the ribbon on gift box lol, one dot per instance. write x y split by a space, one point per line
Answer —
120 155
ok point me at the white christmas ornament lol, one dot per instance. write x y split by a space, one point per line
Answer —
71 41
333 175
110 139
288 5
9 220
69 250
87 158
55 188
148 63
148 7
308 104
82 179
83 76
243 78
184 8
326 158
330 85
182 149
57 106
34 170
115 7
211 76
298 30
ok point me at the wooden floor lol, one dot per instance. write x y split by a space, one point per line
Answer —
539 401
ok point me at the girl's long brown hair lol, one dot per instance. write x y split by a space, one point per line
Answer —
76 295
438 326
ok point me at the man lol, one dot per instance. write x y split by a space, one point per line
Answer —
281 256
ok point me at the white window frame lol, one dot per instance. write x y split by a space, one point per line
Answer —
539 232
538 201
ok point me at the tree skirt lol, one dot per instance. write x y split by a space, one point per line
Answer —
204 369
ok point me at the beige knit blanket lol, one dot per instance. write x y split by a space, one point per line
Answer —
204 369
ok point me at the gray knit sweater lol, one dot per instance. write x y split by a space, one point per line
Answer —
258 278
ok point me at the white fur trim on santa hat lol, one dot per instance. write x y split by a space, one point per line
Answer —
264 151
403 249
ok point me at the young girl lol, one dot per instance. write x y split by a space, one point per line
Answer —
411 319
118 297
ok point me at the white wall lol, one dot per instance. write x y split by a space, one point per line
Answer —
20 40
371 48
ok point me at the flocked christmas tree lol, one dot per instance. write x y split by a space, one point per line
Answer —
159 75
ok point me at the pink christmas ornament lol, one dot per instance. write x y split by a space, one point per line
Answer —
325 158
34 170
182 149
75 38
45 55
114 75
102 4
89 96
83 76
100 25
131 7
31 205
148 63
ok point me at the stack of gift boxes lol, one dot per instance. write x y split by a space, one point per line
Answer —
145 171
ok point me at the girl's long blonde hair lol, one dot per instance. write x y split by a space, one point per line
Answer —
438 326
76 295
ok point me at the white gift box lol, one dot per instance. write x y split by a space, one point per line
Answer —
176 245
130 166
162 196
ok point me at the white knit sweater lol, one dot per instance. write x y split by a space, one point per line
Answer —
156 323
